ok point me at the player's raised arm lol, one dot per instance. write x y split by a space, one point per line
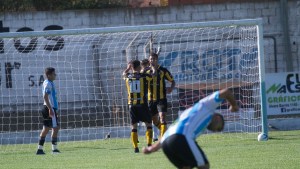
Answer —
127 69
227 94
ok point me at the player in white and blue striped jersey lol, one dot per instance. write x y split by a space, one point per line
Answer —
49 112
179 142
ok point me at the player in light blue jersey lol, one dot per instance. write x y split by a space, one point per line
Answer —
49 112
179 142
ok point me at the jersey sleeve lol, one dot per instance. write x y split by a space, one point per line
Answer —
47 88
212 101
168 76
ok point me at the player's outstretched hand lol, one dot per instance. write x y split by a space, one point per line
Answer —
146 150
234 108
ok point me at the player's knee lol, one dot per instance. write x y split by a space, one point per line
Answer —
148 125
56 129
163 121
134 126
45 129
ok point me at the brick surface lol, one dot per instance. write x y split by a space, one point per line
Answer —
226 14
240 13
268 12
198 16
212 15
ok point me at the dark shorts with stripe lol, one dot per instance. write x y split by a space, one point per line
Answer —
139 112
47 119
180 153
158 106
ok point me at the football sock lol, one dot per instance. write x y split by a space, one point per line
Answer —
54 143
149 136
158 125
163 129
134 138
41 143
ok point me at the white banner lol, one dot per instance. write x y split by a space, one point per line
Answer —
283 93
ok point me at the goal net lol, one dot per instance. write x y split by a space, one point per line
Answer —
202 57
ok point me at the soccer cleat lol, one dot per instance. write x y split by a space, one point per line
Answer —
55 151
136 150
155 139
40 152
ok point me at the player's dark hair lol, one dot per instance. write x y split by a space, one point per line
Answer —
135 64
154 55
210 126
145 62
49 71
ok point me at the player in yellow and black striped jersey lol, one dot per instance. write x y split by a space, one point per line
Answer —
137 86
157 92
145 67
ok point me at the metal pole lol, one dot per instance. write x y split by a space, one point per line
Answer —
286 38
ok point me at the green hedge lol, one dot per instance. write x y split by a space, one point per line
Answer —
49 5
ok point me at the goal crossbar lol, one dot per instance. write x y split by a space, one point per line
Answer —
244 22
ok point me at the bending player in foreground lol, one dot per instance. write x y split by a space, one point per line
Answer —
179 142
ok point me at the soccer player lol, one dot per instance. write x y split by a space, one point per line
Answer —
179 142
157 91
136 84
145 67
49 112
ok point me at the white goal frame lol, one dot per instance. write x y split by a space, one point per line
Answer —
246 22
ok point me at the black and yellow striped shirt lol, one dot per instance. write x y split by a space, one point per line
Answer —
137 86
157 85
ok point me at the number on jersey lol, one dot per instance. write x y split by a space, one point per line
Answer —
135 86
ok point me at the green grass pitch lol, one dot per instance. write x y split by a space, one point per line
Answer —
224 151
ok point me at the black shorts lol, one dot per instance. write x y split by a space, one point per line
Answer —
139 113
47 119
182 152
158 106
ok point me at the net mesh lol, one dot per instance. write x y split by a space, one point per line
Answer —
91 92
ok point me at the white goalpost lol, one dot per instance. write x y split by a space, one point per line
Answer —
202 57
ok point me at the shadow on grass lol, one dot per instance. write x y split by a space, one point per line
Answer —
93 148
123 148
286 137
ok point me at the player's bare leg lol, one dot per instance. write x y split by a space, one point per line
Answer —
163 128
149 133
43 135
134 137
156 121
54 139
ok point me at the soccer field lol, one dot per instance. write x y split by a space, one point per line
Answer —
223 151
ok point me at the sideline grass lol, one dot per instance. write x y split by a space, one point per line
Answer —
224 151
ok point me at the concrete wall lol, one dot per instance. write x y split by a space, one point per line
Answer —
89 72
269 11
